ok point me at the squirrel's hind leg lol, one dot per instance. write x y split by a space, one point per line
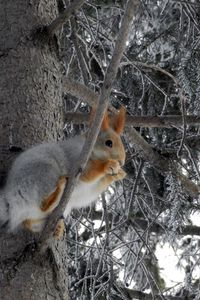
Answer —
50 202
34 225
47 206
59 230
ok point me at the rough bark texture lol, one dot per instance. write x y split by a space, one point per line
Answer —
30 99
30 113
27 274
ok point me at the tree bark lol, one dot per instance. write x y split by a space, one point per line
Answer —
29 78
30 113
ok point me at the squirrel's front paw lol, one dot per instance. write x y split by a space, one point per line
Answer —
112 167
121 175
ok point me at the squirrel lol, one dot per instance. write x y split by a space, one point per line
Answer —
38 176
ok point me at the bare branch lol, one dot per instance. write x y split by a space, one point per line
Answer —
134 294
161 228
141 121
158 228
80 91
82 64
154 67
64 17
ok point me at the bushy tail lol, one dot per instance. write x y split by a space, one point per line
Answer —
3 211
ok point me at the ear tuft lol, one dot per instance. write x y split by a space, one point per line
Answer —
105 122
119 121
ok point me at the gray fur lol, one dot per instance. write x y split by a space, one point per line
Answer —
33 176
35 173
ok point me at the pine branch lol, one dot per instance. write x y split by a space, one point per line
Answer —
80 91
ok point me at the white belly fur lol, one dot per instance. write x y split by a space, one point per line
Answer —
83 195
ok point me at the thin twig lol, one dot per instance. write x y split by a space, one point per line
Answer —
182 99
82 64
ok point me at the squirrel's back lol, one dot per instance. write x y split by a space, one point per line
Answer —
34 174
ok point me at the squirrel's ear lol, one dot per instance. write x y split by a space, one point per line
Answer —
105 122
118 121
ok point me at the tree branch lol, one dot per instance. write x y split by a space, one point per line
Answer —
146 150
144 225
162 164
80 91
169 121
81 62
64 17
160 229
93 131
134 294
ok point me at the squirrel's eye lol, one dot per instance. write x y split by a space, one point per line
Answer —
109 143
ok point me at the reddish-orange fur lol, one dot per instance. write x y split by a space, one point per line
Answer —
97 168
107 171
105 123
52 198
94 169
30 222
118 121
109 179
48 206
58 233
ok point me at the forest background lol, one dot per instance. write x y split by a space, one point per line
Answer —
50 77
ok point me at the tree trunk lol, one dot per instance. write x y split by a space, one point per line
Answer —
30 113
30 78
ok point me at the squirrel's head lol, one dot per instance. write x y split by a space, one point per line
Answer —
109 144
